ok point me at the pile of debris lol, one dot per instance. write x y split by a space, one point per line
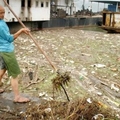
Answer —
56 110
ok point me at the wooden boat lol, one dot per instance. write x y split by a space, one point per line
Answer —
111 21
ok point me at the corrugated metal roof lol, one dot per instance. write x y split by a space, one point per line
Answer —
105 1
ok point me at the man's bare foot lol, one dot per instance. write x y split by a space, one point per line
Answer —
1 90
21 99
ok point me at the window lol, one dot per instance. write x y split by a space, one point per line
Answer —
8 1
23 3
47 4
118 4
37 4
42 4
29 3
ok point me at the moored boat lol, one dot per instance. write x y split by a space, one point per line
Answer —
111 21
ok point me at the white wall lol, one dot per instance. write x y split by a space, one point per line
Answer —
42 13
15 6
27 14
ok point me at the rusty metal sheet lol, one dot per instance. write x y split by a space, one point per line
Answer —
107 21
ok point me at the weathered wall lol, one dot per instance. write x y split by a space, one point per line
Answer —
56 23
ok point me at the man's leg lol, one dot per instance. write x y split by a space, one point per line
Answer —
2 72
17 97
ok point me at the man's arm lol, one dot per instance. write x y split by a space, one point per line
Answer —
22 30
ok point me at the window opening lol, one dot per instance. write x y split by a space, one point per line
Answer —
23 3
118 5
8 1
29 3
42 4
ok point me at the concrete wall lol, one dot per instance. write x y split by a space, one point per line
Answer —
56 23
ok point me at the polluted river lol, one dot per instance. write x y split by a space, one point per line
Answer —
91 58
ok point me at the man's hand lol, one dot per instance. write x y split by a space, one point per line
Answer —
22 30
25 30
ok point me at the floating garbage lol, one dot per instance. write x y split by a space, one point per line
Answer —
113 87
42 94
98 116
99 93
89 100
99 65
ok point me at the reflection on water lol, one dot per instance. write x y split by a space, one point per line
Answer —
91 28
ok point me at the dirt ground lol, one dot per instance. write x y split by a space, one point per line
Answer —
92 59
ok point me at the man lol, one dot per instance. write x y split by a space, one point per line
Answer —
7 57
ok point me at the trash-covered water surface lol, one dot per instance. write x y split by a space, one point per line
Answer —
92 59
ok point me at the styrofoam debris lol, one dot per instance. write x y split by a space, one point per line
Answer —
98 65
113 87
89 100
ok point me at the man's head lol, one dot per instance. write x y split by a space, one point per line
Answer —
2 12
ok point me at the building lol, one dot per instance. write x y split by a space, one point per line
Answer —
37 10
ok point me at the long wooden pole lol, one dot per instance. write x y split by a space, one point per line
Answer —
31 36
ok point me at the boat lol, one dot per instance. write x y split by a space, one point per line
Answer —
39 14
110 16
111 21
